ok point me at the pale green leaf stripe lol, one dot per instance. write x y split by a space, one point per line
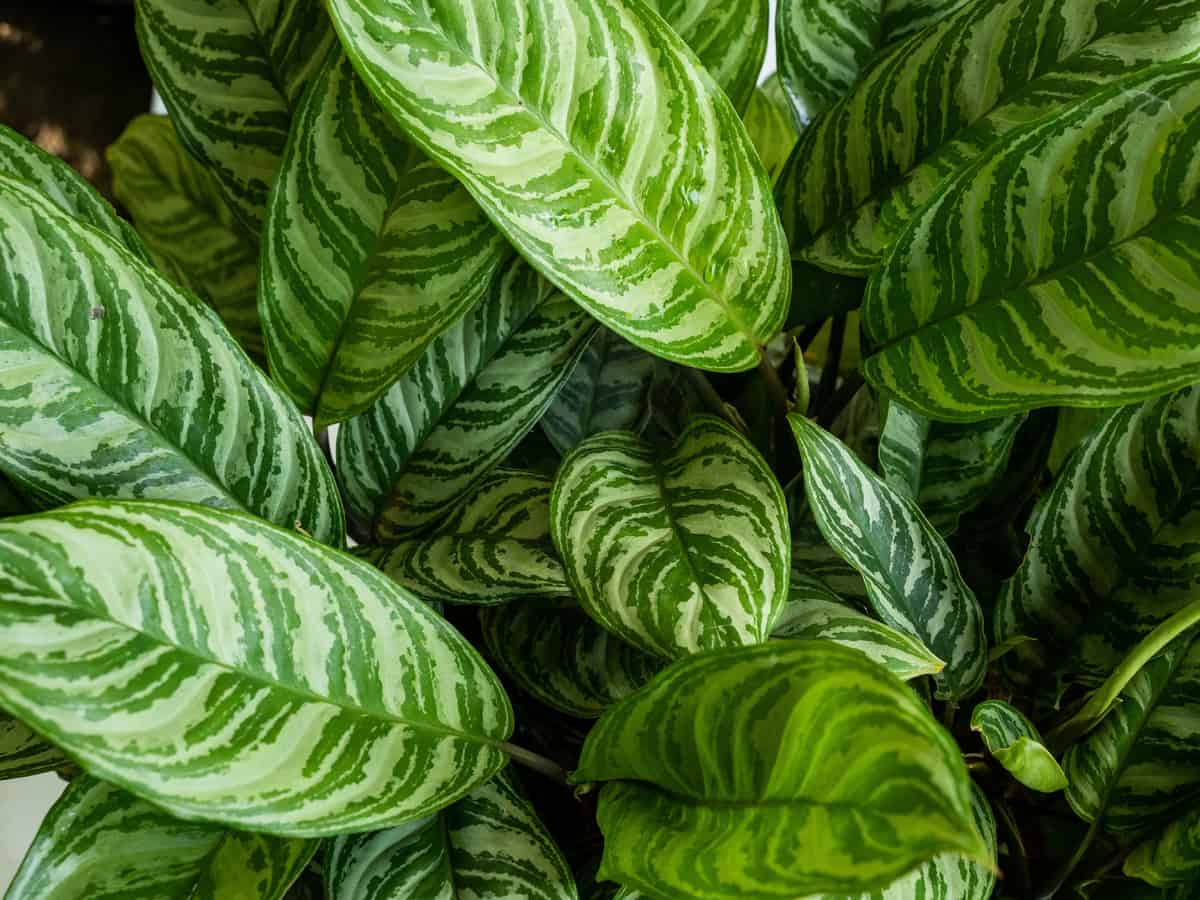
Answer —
477 390
911 576
489 845
99 842
189 229
563 658
1114 547
780 815
675 551
1078 295
814 611
23 752
493 548
929 108
770 126
1017 745
370 251
230 72
224 669
813 557
1170 857
634 189
146 397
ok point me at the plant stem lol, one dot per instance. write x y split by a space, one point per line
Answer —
775 388
1024 886
805 336
1065 872
841 398
536 762
712 400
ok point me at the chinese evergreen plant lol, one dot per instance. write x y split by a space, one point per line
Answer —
801 482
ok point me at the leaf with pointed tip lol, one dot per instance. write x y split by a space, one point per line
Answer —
224 669
114 383
884 790
188 227
1017 745
230 73
674 552
1172 856
770 127
489 845
911 576
635 188
102 843
478 389
563 658
370 251
23 752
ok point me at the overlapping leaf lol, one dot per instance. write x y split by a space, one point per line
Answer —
634 187
1016 744
1170 857
477 390
115 383
778 813
101 843
370 251
221 668
769 124
674 552
23 752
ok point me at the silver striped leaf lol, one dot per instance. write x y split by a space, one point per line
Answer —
1114 547
1171 856
370 251
928 109
676 551
884 789
221 668
813 557
478 389
101 843
490 845
117 384
633 187
23 752
1017 745
563 658
189 228
231 73
769 123
814 611
1096 285
911 576
493 548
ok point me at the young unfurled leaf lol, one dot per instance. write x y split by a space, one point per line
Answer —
1016 744
1172 856
677 551
881 792
224 669
23 752
604 151
102 843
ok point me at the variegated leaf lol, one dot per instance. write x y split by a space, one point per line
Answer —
101 843
770 126
495 547
1172 856
489 845
23 752
563 658
1114 547
116 384
231 72
1017 745
674 552
884 790
478 389
224 669
814 611
187 225
370 251
812 557
911 576
633 187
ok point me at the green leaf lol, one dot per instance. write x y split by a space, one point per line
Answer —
1114 547
115 383
101 843
478 389
370 251
23 752
813 557
1017 745
814 611
495 547
224 669
231 72
769 124
489 845
883 791
911 576
563 658
633 187
188 227
1172 856
674 552
1093 280
927 109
